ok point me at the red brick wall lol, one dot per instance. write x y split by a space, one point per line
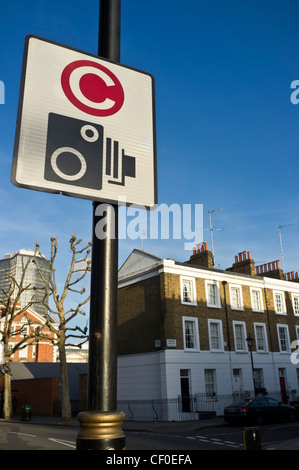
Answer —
41 394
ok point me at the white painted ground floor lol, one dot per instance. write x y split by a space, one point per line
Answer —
182 383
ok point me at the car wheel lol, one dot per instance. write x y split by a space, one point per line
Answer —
292 416
259 419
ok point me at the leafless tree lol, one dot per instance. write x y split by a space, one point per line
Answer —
56 304
13 336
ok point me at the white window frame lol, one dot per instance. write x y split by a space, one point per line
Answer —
295 300
243 325
220 335
190 280
196 333
235 286
217 294
259 377
23 353
210 382
286 328
283 304
259 290
265 339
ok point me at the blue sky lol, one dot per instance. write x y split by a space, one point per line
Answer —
227 132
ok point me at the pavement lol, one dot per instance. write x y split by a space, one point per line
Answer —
181 428
172 427
163 427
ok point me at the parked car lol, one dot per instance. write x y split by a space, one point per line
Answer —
258 410
296 406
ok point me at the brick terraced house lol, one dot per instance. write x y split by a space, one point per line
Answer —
183 330
23 325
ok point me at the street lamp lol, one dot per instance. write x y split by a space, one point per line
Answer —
250 340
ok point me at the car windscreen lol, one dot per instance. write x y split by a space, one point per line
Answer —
242 402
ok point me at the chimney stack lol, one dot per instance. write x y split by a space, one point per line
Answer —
243 264
271 269
202 256
292 276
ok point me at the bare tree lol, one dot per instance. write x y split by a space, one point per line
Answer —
14 338
56 305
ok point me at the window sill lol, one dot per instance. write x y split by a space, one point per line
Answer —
191 350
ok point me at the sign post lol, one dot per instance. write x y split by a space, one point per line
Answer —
86 129
101 425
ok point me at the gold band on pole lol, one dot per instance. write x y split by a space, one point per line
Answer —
102 426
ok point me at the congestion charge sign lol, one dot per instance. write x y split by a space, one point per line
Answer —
94 88
86 126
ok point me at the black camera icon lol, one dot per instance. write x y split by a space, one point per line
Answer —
74 154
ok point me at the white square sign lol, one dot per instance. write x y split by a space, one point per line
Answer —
86 126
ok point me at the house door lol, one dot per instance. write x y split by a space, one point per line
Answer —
185 389
282 383
237 380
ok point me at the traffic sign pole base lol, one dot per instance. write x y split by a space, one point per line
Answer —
101 431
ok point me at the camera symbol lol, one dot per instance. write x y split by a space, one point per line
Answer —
74 154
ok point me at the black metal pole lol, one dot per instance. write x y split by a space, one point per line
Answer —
226 314
252 369
250 345
103 313
101 424
109 29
